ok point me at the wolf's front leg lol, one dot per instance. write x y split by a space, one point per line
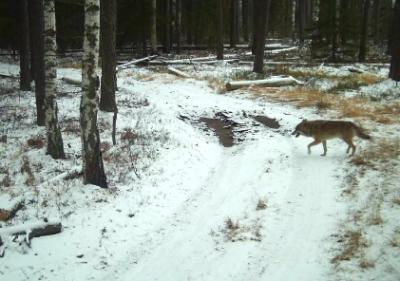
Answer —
315 142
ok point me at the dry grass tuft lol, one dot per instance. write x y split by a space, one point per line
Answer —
383 151
36 142
261 205
365 264
356 107
353 243
129 135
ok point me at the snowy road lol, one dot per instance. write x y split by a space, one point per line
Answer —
171 223
300 192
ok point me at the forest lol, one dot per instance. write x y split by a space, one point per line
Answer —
181 139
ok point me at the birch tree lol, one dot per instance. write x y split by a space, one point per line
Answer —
55 145
93 169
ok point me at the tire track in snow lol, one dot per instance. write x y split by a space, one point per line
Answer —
301 197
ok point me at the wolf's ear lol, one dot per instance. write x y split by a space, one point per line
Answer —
304 121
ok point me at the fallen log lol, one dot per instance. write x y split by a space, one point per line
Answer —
137 61
8 76
5 214
30 231
72 81
274 81
177 72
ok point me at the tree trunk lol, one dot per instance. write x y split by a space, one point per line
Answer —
293 17
93 169
245 20
334 28
364 32
394 43
55 146
233 23
24 47
302 15
261 11
220 29
189 31
178 22
37 28
167 24
377 16
251 24
153 35
108 20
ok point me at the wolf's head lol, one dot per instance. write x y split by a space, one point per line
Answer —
300 129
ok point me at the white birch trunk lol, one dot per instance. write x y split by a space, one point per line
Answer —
93 169
55 145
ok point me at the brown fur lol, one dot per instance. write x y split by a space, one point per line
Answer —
323 130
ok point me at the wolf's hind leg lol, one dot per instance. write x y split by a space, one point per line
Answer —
315 142
350 145
325 148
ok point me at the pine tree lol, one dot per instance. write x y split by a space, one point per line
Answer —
24 47
108 58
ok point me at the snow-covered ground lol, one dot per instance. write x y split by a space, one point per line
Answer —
180 205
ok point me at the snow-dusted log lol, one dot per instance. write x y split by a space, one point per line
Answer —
72 81
177 72
68 174
55 146
138 61
93 169
30 231
6 214
183 61
277 81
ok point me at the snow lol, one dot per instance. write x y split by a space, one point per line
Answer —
166 220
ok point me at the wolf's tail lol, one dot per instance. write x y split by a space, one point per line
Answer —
360 133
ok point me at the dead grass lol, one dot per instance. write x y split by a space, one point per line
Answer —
365 264
129 135
234 232
353 243
381 152
261 204
356 107
351 81
36 142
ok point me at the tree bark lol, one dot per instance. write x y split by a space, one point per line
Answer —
233 23
302 16
153 36
220 30
261 11
55 146
93 169
108 21
37 28
178 24
364 32
189 31
394 43
167 27
24 47
245 20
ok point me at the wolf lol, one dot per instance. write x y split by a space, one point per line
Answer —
322 130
